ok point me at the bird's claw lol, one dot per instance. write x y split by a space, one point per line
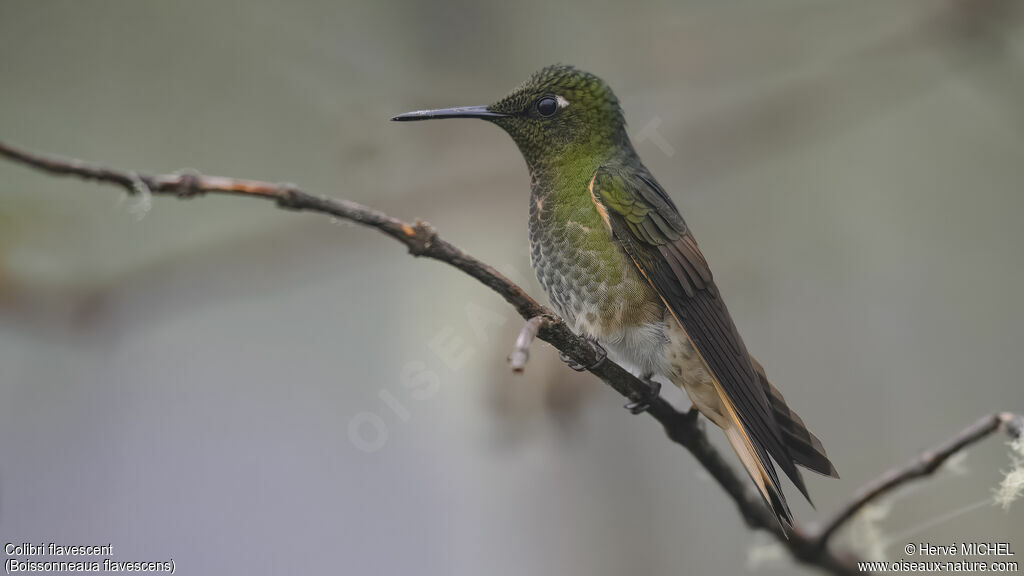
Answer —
599 351
644 403
692 414
573 365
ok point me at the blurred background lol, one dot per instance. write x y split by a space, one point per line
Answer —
251 391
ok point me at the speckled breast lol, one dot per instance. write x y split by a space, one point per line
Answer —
591 282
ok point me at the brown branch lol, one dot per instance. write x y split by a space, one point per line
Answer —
921 467
421 240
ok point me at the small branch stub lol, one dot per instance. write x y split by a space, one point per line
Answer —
521 352
420 237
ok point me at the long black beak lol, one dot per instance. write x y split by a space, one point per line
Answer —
460 112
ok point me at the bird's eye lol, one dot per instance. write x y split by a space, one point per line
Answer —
546 106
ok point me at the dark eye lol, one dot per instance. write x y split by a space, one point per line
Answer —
546 106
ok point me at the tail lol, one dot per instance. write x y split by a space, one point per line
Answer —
802 448
758 465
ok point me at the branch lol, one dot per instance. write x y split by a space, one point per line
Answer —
521 353
921 467
421 240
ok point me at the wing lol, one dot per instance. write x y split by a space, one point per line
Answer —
644 220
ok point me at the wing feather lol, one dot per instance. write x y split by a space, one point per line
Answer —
651 231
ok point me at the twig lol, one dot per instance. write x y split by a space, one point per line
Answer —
521 353
924 465
421 240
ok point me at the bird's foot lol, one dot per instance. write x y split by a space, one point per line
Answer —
692 414
653 389
599 351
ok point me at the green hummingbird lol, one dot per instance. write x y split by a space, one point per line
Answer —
621 266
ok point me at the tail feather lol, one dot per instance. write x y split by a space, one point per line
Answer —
768 487
758 465
803 446
793 445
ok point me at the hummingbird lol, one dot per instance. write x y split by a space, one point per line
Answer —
622 267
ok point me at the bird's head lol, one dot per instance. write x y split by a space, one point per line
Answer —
559 113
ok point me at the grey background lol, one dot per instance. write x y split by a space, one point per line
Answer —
183 385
